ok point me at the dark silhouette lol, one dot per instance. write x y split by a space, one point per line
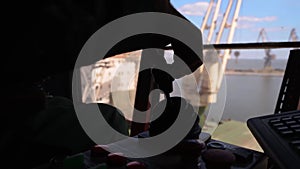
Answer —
42 40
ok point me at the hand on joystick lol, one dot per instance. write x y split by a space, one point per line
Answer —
191 143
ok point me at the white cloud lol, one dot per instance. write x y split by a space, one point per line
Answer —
194 9
257 19
246 22
244 25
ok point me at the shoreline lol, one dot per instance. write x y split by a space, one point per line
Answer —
255 72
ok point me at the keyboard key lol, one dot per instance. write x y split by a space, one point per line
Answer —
296 117
274 121
277 124
282 128
295 126
295 142
291 122
286 132
286 119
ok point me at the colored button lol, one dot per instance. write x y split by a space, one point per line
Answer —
99 151
135 165
116 159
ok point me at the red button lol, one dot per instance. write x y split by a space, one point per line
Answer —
116 159
99 151
135 165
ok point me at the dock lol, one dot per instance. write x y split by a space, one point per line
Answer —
237 133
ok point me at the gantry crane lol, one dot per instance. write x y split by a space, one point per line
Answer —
211 79
269 56
293 36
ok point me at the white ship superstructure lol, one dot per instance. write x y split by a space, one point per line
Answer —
112 80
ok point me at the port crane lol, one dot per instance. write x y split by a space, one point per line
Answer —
293 36
269 56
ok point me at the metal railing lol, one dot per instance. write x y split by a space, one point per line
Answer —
263 45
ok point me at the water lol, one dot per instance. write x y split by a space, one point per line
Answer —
251 95
246 64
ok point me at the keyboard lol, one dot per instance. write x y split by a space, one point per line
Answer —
279 137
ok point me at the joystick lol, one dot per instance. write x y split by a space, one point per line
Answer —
218 159
170 108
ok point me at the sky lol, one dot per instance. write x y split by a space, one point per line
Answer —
277 17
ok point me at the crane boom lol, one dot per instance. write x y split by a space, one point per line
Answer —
205 19
224 21
211 78
214 21
229 40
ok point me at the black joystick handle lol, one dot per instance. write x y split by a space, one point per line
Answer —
169 109
162 81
